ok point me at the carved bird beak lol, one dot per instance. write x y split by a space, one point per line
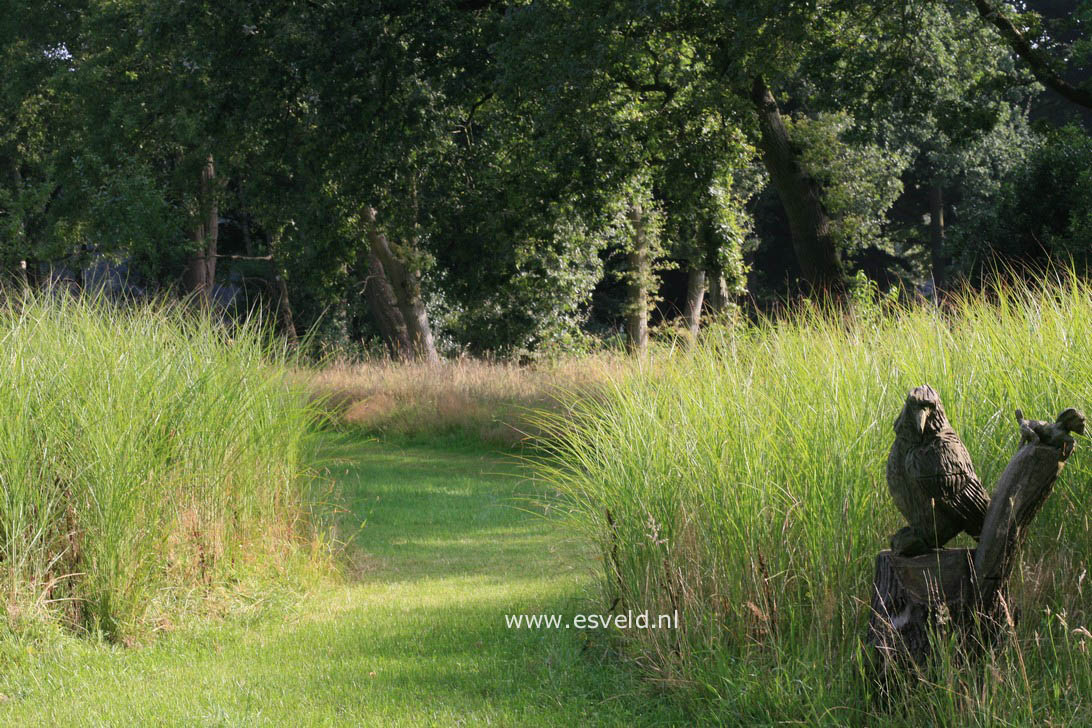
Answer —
920 416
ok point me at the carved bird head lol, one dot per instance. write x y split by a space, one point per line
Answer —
922 416
1072 420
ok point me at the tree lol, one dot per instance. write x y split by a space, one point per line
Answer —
35 58
1037 214
1030 49
940 110
637 124
652 65
458 176
811 227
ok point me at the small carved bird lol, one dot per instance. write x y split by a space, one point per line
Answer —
931 477
1054 434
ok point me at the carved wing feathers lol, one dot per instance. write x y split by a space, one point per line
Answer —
971 504
942 466
943 469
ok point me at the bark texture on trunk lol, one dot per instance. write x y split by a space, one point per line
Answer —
936 234
384 307
637 295
812 239
695 295
717 298
908 596
201 267
407 290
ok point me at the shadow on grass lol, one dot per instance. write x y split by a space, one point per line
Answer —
419 638
458 548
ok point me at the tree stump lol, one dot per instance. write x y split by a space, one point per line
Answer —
914 598
911 596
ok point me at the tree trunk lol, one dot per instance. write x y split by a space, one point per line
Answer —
637 285
201 267
407 291
717 300
21 231
284 309
908 595
936 234
695 295
384 307
280 286
248 240
812 240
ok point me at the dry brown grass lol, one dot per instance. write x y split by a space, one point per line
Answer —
484 400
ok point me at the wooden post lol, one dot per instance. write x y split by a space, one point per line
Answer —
1020 493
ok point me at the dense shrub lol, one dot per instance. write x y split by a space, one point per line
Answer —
1040 214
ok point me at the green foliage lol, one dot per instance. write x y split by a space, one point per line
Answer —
542 304
636 225
743 483
510 137
867 303
633 116
146 455
499 200
859 181
1082 16
1039 212
732 227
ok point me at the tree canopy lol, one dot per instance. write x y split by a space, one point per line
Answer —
524 178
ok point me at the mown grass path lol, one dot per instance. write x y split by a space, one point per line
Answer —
416 636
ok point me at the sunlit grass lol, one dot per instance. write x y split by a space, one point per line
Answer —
745 481
415 636
148 457
469 400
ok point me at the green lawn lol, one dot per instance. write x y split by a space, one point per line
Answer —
414 636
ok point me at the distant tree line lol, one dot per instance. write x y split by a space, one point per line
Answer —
431 176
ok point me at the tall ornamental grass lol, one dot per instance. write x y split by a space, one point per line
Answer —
743 483
147 456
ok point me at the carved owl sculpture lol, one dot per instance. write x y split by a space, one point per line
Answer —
931 477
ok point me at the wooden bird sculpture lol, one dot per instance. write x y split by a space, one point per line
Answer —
1055 434
931 477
